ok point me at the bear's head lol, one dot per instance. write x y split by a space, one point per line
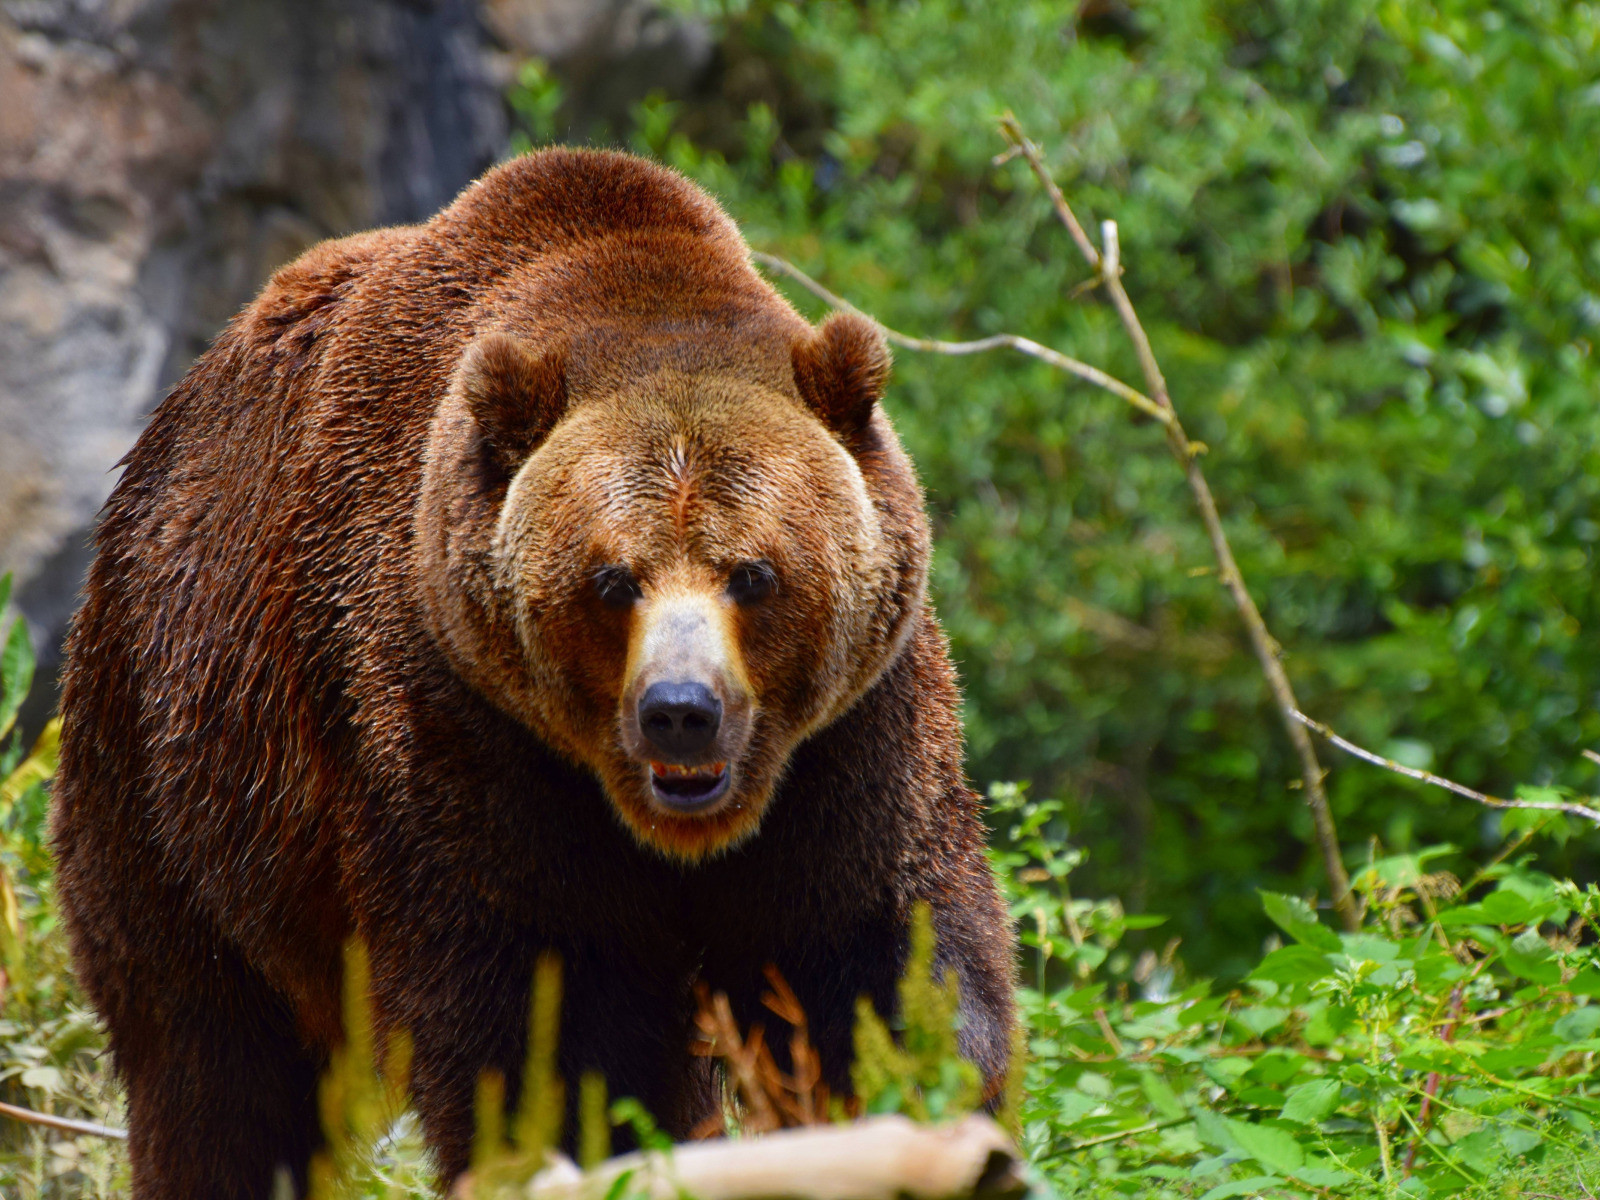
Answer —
678 576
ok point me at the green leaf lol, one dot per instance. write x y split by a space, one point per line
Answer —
1261 1096
1272 1148
1579 1024
1505 906
16 674
44 1079
1160 1094
1530 957
1369 947
1293 964
1312 1103
1242 1187
1261 1019
1480 1150
1518 1141
620 1185
1324 1177
1407 870
1216 1131
1296 918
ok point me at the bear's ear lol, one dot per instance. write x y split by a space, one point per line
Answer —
841 371
515 396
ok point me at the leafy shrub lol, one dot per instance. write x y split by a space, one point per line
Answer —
49 1042
1447 1045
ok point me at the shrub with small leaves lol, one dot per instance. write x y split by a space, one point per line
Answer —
1445 1046
50 1045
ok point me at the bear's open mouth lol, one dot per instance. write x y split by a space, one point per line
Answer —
688 789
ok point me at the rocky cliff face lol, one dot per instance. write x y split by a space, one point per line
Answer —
159 158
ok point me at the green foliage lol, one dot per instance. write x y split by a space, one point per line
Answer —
1448 1047
49 1044
1365 240
499 1163
535 99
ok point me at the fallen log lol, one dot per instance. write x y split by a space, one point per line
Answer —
65 1124
881 1158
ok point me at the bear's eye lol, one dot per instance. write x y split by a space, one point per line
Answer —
616 586
752 581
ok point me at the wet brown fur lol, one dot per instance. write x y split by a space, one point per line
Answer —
339 670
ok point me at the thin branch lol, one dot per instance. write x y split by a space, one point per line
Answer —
1152 1127
1000 341
1108 264
1012 128
65 1124
1378 760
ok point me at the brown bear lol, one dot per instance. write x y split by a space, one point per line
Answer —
532 580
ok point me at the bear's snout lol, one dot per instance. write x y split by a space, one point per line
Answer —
680 720
686 713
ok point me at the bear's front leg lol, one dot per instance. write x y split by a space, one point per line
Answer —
628 1019
459 990
973 941
221 1090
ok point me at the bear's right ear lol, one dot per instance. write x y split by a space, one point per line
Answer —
842 370
515 396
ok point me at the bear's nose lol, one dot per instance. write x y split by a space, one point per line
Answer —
679 719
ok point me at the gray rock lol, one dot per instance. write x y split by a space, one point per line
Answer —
158 158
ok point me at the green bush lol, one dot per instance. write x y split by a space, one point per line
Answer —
1447 1047
50 1044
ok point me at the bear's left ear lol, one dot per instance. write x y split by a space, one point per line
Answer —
515 396
842 370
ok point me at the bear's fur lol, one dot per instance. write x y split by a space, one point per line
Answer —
363 648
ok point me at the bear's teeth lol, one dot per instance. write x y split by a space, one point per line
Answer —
672 770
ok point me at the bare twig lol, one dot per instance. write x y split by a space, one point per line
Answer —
720 1037
65 1124
1000 341
770 1098
1108 1033
1378 760
1012 128
1108 263
1158 404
